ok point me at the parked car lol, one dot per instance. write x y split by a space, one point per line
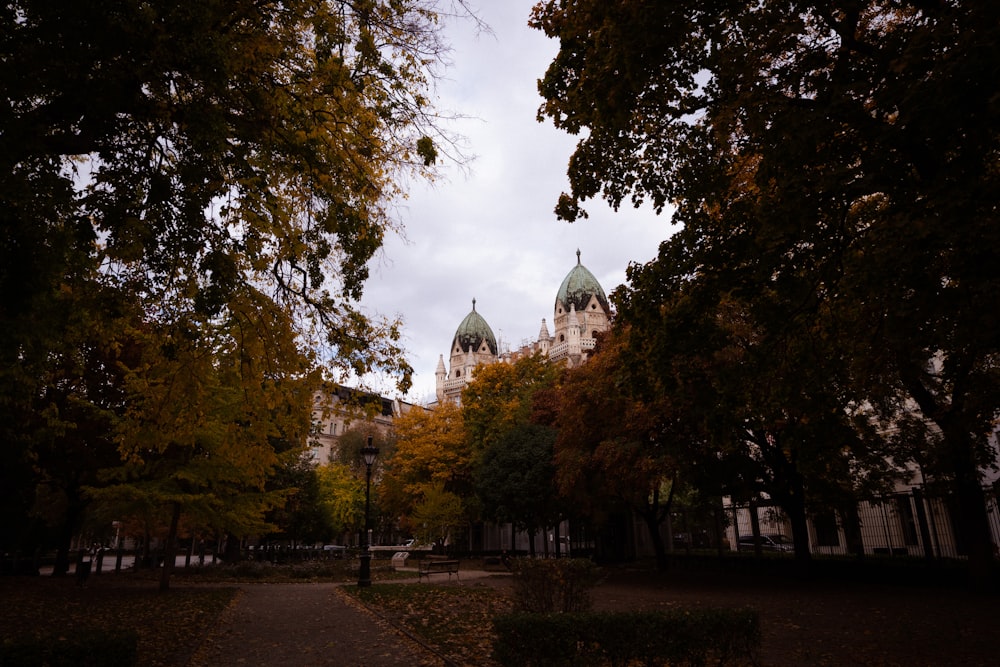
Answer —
773 542
334 550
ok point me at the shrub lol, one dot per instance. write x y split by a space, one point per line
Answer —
695 638
546 585
250 570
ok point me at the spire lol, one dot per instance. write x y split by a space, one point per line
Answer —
474 298
543 333
578 257
440 367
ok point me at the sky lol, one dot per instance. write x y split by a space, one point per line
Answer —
488 232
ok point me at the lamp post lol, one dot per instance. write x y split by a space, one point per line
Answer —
365 571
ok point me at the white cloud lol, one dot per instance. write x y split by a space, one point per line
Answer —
491 234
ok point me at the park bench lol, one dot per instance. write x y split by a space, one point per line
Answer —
437 566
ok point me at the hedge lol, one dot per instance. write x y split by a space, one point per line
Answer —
676 637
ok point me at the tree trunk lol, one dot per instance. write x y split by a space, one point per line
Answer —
795 507
170 549
70 524
800 528
973 518
720 531
233 551
755 528
651 517
960 453
852 529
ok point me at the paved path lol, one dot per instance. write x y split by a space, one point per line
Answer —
307 625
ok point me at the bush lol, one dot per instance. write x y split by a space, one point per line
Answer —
547 585
86 648
695 637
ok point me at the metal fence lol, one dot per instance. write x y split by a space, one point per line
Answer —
910 523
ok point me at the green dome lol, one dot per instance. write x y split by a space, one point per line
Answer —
473 331
578 287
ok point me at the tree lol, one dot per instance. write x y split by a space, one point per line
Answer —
502 396
302 519
214 407
438 513
348 455
342 499
614 448
175 154
211 145
833 167
355 438
431 451
766 416
505 427
62 397
515 480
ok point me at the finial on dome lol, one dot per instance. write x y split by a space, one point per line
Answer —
473 304
578 257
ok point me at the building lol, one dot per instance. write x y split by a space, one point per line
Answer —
342 408
580 313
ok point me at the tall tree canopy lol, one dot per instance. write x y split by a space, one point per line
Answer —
189 148
200 161
515 480
508 415
834 166
502 396
620 444
211 411
432 457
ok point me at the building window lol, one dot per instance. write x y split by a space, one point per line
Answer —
333 428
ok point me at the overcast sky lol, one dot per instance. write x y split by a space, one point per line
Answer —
490 233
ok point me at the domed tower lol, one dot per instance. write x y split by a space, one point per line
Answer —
473 344
582 311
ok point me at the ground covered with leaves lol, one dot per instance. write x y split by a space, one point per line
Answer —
456 622
828 623
169 625
804 622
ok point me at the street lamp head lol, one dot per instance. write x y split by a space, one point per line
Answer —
369 453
